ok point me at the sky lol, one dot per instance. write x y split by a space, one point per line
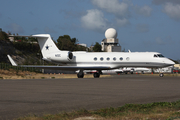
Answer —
141 25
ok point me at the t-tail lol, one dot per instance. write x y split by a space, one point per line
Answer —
50 51
46 44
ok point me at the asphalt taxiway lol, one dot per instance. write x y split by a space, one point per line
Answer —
20 98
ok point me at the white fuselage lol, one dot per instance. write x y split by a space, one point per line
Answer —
116 59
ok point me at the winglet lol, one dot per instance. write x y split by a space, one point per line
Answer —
11 60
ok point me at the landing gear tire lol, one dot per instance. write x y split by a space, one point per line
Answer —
80 75
161 75
96 75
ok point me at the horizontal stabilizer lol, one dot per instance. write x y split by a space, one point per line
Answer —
33 36
11 60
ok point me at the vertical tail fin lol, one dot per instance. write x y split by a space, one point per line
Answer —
46 44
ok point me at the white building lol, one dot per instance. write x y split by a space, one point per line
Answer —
111 43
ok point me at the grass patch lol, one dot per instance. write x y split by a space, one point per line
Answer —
156 110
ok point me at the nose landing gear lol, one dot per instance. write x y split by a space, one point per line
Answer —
161 74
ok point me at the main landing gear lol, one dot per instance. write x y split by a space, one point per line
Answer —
80 74
96 74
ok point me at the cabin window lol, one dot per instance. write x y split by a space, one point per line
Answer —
108 59
114 58
127 58
121 58
95 58
101 58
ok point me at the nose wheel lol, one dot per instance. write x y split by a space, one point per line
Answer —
161 74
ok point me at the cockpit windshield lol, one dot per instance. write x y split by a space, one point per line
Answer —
155 56
158 55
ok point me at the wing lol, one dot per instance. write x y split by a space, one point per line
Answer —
70 68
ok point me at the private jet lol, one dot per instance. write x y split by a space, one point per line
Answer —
67 60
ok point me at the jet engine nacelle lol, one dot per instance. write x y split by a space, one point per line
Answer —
62 56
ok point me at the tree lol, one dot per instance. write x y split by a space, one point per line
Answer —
3 36
74 40
64 43
26 44
97 47
67 43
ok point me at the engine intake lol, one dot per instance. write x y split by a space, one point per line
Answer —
70 55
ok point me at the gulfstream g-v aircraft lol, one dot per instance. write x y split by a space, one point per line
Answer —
94 60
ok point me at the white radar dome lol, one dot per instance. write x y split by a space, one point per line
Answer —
111 33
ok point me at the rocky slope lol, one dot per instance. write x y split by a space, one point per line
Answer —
6 48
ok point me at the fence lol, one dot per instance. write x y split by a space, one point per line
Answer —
6 66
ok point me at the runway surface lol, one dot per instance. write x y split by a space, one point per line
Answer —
20 98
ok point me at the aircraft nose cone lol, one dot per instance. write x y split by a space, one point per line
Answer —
170 62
